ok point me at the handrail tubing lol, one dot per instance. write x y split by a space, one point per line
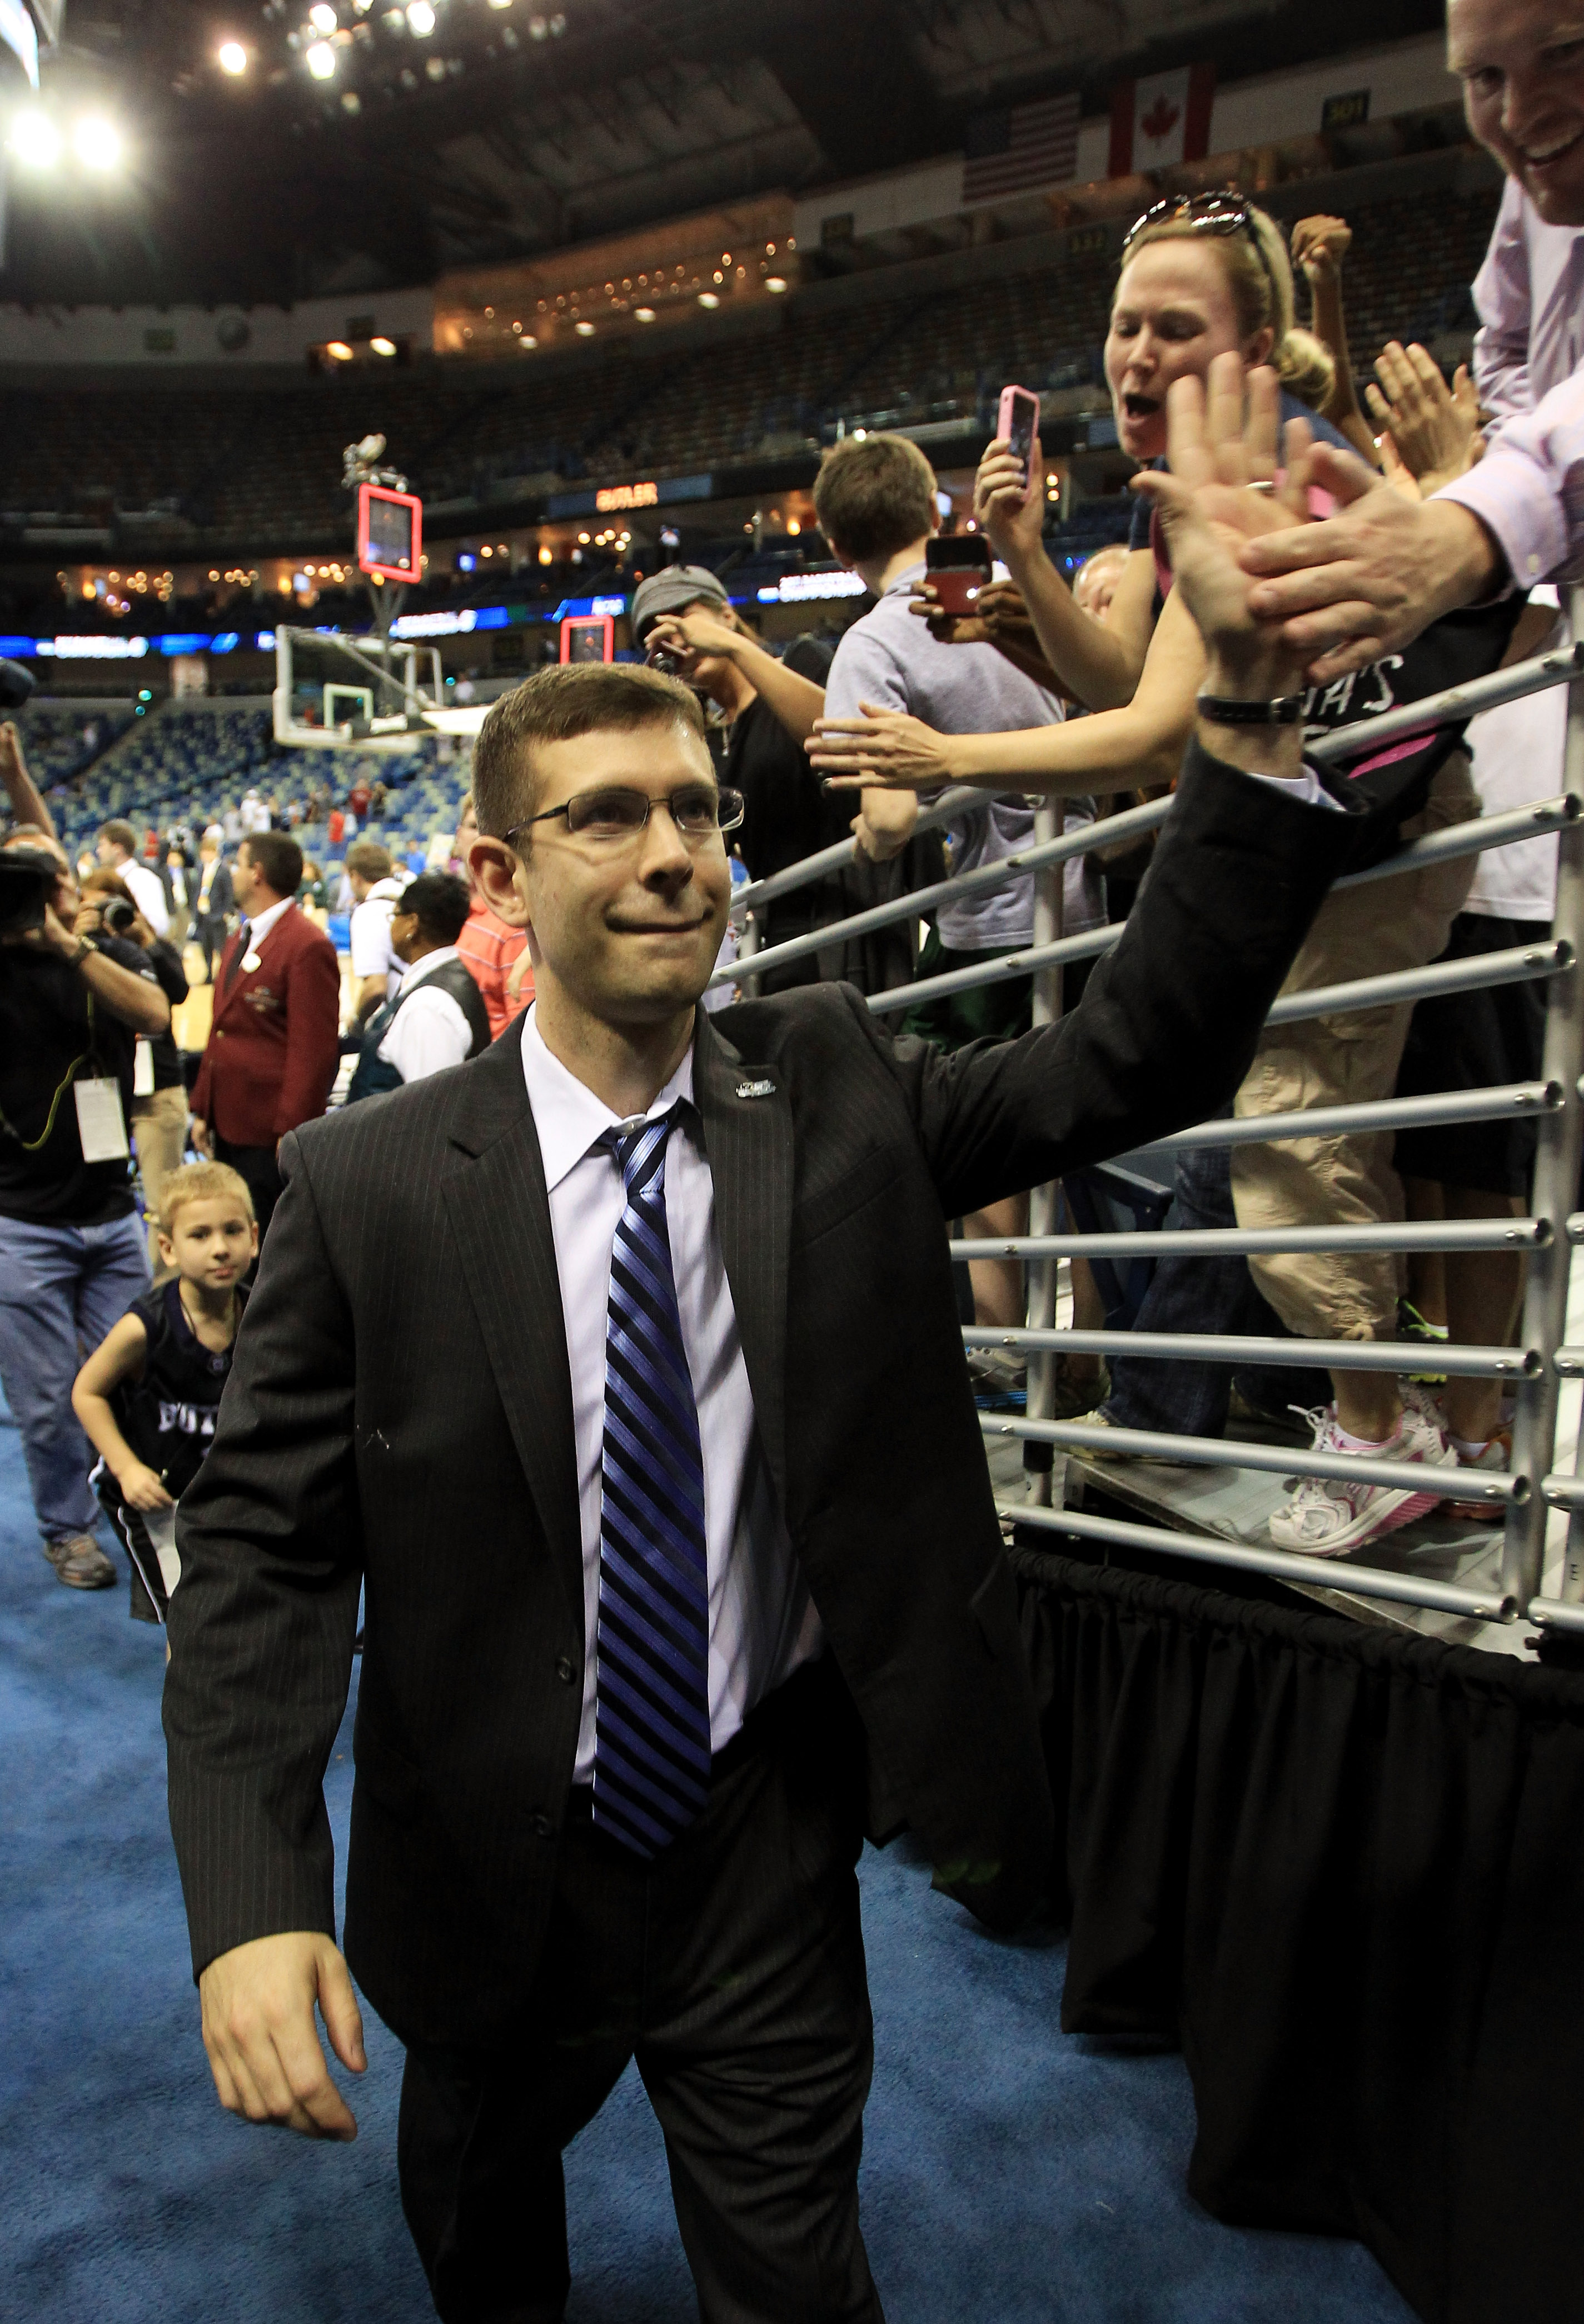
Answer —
1228 1348
1233 1242
1455 702
962 799
1522 965
1509 1100
1555 1614
1446 1484
1283 1564
985 876
1477 835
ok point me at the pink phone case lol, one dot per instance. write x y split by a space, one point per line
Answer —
1004 417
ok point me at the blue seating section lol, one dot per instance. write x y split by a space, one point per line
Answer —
192 763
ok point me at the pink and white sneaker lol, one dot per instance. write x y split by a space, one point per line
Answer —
1328 1515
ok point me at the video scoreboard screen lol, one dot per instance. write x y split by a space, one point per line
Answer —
389 533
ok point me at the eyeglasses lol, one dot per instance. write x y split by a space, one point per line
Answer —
1221 213
699 811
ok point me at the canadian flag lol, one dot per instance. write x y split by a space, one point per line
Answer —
1161 120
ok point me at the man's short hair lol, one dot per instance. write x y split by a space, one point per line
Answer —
368 858
874 497
439 903
554 706
279 858
201 1181
120 834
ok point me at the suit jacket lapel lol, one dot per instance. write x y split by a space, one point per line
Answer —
749 1141
494 1193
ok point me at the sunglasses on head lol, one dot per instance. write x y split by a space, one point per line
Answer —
1221 213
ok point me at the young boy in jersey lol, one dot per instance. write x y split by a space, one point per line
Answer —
148 1395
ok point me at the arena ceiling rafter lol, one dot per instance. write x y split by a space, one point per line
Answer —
368 142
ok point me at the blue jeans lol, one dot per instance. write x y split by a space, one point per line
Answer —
1191 1295
61 1290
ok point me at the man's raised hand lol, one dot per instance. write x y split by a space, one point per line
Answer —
263 2046
1365 581
1221 491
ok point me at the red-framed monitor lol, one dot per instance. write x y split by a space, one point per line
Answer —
588 637
389 533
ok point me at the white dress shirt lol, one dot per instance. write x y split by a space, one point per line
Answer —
259 924
761 1620
148 893
428 1031
371 935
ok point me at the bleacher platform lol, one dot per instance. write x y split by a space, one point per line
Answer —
196 758
256 464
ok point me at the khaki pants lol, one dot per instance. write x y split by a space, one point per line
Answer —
1372 931
159 1132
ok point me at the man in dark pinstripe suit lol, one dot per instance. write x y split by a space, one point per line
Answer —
418 1399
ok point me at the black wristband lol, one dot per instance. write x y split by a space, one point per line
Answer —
1227 710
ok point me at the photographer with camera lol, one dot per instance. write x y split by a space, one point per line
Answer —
73 1000
159 1103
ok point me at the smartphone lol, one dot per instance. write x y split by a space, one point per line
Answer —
663 659
1019 421
959 567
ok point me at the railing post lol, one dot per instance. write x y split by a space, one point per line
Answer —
1556 1191
747 945
1045 1201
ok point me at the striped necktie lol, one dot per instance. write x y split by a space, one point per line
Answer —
652 1723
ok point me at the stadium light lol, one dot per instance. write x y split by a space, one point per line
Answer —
320 61
232 57
34 140
339 349
383 346
322 17
420 18
97 142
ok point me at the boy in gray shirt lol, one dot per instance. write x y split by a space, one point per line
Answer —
875 499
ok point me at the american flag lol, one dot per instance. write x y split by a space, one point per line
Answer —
1027 146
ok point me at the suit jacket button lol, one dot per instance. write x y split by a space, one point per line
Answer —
565 1670
540 1825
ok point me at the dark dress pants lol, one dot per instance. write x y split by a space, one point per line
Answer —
256 1165
732 1969
1204 1294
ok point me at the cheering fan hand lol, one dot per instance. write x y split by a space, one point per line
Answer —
1220 492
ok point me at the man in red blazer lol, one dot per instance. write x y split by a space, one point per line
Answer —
274 1042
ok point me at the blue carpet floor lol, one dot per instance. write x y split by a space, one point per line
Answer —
1009 2173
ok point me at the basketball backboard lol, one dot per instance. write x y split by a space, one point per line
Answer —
337 693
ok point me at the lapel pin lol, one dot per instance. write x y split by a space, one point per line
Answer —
756 1088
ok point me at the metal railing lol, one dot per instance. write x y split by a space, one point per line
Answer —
1522 1498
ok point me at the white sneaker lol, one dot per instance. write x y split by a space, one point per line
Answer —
1328 1515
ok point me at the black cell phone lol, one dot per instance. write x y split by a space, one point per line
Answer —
959 564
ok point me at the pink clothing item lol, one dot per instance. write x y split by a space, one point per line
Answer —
1528 490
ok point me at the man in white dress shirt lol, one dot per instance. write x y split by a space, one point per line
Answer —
376 887
116 849
1368 581
438 1017
580 1356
